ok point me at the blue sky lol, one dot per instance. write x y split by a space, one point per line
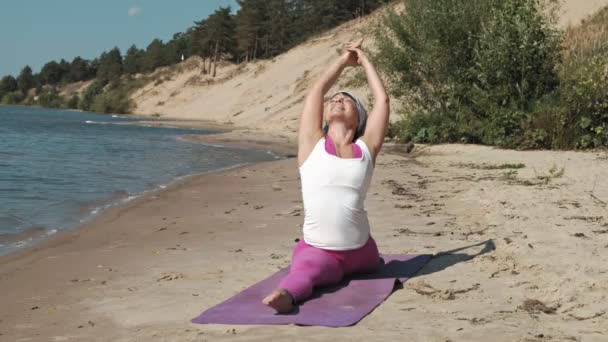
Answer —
34 32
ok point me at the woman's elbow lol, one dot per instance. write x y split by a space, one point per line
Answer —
383 100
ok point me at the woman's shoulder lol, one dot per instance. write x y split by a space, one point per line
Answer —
365 147
307 146
363 144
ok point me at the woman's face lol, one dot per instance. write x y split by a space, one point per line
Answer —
342 108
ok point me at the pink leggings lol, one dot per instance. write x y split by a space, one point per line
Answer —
312 266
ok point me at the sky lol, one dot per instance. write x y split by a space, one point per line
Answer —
34 32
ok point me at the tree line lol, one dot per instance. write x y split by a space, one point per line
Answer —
258 29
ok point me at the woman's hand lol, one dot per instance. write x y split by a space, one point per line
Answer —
359 55
354 55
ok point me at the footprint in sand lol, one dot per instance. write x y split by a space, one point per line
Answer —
535 306
169 276
177 248
426 289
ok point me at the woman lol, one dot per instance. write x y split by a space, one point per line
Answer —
336 160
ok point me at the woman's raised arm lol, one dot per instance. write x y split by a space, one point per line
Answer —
377 121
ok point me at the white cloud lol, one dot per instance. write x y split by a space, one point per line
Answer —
133 11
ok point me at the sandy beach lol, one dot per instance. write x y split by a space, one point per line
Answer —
520 253
519 239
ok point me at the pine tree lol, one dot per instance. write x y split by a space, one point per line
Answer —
277 27
64 68
79 70
198 41
25 81
110 66
51 73
8 84
220 31
177 47
247 30
154 56
132 62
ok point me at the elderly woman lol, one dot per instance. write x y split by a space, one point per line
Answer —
337 149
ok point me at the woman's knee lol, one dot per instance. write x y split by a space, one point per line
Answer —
318 267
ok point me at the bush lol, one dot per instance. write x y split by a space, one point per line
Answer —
584 98
50 98
113 101
471 70
14 97
113 97
89 95
73 102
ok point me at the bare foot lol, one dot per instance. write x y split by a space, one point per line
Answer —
280 300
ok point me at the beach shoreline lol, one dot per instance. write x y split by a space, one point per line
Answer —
59 237
89 236
223 136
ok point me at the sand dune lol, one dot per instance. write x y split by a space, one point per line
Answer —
267 95
573 11
264 95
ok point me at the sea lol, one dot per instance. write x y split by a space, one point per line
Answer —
59 168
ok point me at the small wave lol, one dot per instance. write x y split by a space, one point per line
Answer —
221 169
155 126
130 198
93 211
20 237
184 139
274 155
10 222
99 122
93 207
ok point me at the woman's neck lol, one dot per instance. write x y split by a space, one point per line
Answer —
340 135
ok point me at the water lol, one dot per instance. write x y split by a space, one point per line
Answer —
59 168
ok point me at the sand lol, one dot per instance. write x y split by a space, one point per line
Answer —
573 11
520 253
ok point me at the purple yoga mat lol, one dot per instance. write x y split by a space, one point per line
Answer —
336 306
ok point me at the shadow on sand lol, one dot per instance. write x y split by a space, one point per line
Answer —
403 269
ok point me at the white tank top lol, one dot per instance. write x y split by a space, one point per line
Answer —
333 192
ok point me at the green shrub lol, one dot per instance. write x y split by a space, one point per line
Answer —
584 98
14 97
113 101
50 98
73 102
471 70
89 95
583 119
